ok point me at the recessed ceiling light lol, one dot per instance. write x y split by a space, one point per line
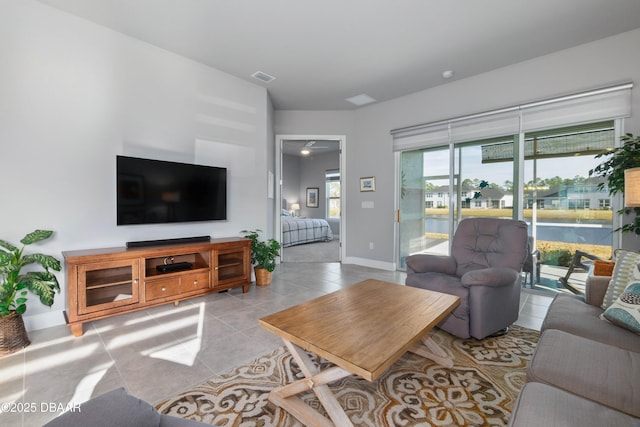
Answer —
361 99
447 74
262 76
305 151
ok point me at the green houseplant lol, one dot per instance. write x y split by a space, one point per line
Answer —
263 255
15 284
612 169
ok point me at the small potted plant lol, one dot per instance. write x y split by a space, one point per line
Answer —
14 286
263 256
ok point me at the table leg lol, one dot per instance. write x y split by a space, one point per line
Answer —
429 349
315 380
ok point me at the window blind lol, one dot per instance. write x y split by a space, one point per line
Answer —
596 105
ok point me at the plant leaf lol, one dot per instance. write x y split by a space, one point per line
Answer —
8 269
47 261
8 246
20 309
36 236
43 284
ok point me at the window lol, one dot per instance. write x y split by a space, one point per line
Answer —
532 159
333 193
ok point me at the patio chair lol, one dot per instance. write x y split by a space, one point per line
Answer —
577 264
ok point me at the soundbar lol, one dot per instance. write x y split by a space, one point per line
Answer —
178 266
180 240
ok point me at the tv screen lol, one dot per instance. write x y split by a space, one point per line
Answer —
154 191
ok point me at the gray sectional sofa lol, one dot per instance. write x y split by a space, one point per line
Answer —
117 408
585 371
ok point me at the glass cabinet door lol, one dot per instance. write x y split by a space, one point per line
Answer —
106 285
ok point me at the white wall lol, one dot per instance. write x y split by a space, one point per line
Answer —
73 95
291 181
369 146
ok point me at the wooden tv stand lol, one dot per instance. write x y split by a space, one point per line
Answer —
107 282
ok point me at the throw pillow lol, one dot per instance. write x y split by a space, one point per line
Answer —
626 262
625 311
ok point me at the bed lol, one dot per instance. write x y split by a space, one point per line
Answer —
298 231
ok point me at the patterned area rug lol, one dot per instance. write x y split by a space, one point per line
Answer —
478 391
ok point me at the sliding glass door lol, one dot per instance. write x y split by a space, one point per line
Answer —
566 210
424 202
554 194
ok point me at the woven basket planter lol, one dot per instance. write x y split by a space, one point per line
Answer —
263 276
13 334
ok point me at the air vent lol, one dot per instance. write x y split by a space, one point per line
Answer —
263 77
361 99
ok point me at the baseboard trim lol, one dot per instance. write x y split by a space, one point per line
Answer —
381 265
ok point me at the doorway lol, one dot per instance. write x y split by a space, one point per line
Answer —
310 201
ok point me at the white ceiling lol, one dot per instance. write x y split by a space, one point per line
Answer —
322 52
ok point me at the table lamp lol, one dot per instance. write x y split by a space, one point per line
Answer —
632 188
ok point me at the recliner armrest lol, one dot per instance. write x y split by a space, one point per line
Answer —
493 276
423 263
595 289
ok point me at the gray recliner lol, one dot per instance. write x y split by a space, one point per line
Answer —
483 269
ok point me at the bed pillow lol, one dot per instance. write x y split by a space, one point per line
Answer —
625 311
623 272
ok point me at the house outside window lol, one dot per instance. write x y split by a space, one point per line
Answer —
604 203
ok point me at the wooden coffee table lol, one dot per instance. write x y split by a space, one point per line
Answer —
363 330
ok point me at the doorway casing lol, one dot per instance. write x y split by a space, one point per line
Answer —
341 139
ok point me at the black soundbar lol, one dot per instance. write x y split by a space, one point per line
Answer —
180 240
178 266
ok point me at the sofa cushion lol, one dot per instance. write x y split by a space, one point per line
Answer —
625 311
626 268
118 408
593 370
113 408
542 405
571 314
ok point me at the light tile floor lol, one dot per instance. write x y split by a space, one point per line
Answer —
158 352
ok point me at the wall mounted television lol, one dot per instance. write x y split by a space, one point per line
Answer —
156 192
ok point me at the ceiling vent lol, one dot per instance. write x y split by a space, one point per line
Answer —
263 77
360 100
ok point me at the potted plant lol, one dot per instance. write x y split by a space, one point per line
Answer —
263 256
14 287
619 160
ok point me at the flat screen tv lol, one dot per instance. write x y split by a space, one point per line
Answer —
155 191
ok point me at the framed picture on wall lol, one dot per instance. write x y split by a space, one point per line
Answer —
368 183
312 197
